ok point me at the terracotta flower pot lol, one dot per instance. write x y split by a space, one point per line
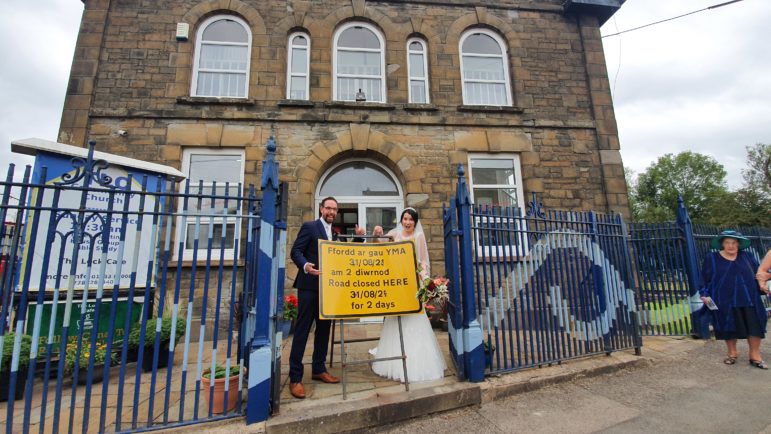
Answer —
218 402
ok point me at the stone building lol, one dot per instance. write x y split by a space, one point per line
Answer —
373 101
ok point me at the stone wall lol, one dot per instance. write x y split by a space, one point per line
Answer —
130 73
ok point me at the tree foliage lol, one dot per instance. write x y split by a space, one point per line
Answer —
698 178
757 174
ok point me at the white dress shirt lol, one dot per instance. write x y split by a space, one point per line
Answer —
327 228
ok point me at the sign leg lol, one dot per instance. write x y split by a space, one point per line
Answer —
342 356
404 356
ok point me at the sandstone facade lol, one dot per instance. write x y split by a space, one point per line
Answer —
130 73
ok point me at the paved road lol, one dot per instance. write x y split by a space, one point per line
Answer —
695 394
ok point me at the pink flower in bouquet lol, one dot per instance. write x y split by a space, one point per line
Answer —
433 290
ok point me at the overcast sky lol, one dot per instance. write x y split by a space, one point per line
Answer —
700 83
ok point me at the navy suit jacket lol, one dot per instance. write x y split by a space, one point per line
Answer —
306 249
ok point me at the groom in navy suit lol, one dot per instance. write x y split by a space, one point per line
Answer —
305 254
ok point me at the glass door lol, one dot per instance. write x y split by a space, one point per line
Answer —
379 215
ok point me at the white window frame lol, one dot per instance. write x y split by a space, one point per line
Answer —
197 56
382 50
410 77
184 220
489 251
504 59
290 57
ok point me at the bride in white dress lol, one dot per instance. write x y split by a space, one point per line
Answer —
425 361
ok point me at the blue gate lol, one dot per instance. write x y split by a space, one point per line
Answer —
114 309
535 289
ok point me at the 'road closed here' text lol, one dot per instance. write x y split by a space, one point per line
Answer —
372 279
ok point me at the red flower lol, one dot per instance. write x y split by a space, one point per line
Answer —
290 307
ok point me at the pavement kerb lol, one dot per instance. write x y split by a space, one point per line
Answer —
386 405
505 385
375 408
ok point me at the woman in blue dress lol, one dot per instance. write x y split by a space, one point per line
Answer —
729 281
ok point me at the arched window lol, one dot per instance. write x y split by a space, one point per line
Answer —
368 194
359 178
358 63
222 53
417 65
484 69
298 61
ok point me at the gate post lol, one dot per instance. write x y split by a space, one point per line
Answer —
691 261
454 316
260 352
473 351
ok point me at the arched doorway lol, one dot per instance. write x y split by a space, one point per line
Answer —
367 192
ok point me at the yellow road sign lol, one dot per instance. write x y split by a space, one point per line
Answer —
367 279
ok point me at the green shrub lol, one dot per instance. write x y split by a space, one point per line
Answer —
220 372
100 354
26 343
133 339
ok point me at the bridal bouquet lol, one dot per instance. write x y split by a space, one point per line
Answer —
433 290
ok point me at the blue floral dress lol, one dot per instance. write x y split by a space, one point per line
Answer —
733 288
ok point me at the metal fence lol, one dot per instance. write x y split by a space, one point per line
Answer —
541 287
550 287
113 313
536 288
667 259
663 292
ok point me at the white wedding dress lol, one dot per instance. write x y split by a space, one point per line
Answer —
425 360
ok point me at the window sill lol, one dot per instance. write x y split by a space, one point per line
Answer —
490 109
296 103
421 107
187 263
201 100
359 105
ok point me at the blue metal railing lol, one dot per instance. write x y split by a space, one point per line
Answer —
668 258
547 286
153 256
551 288
535 289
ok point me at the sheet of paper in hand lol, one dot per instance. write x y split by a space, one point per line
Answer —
710 304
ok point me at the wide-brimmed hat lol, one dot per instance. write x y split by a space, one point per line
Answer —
717 242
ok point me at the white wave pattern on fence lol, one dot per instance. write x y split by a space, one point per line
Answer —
615 291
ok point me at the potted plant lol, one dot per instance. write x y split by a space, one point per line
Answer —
5 367
100 358
221 376
289 314
149 343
